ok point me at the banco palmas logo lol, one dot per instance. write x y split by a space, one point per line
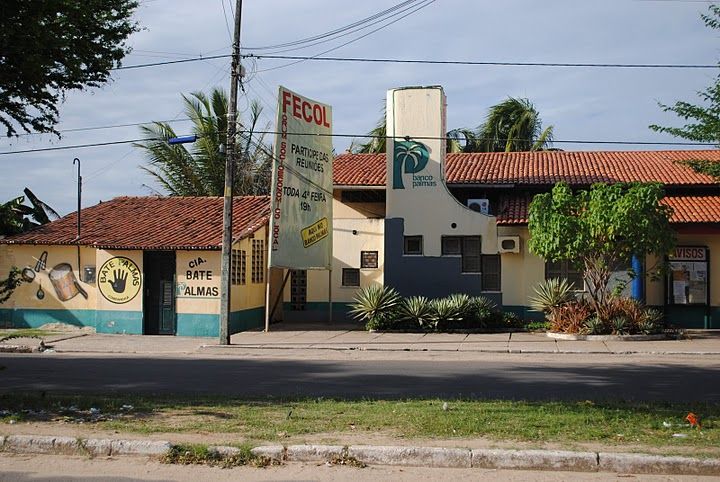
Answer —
409 157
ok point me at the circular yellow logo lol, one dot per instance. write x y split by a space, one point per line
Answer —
119 280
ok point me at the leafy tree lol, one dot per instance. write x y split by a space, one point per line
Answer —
703 120
51 47
512 125
597 228
199 170
16 217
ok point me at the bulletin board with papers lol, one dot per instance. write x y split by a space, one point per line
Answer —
688 276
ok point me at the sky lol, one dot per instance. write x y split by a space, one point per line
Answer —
588 104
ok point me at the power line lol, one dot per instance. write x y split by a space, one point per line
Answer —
486 63
422 5
112 126
426 61
367 136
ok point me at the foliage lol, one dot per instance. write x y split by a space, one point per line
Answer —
619 325
382 308
10 284
200 454
593 229
376 305
200 169
537 326
594 326
570 317
550 294
512 125
52 47
703 121
16 217
417 311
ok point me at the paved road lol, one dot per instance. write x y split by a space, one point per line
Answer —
488 376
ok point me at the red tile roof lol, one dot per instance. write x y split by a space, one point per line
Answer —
540 168
686 209
153 223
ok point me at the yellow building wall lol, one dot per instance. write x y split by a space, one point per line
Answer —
351 236
197 282
134 304
251 295
53 286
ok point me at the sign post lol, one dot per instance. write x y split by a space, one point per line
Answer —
301 195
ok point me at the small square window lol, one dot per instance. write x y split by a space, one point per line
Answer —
413 245
350 277
368 259
451 245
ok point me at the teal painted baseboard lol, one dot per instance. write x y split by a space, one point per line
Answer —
247 319
122 322
204 324
34 318
317 311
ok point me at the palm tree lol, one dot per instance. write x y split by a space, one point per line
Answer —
200 169
512 125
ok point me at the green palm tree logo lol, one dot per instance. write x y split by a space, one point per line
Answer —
409 157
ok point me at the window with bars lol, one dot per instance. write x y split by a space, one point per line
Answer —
473 261
238 267
258 261
565 269
350 277
413 245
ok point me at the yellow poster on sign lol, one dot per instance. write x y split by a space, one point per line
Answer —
316 232
301 221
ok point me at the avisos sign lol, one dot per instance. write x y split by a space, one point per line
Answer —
301 221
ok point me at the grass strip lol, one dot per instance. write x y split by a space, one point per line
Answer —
658 424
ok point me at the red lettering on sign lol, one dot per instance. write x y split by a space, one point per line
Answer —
309 112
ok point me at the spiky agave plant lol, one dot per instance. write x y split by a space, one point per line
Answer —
376 305
417 311
551 294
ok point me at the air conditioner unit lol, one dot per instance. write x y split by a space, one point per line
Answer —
479 205
508 244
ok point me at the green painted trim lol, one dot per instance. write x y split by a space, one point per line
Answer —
198 324
122 322
34 318
247 319
208 325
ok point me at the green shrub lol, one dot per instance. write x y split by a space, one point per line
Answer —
446 312
595 326
619 325
551 294
417 312
377 306
511 320
537 326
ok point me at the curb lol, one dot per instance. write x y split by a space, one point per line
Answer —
408 456
231 348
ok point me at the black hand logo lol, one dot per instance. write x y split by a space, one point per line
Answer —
118 284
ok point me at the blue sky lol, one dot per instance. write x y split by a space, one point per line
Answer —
581 104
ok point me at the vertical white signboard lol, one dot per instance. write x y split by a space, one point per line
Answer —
301 221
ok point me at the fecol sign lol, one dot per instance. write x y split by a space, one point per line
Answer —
411 157
301 222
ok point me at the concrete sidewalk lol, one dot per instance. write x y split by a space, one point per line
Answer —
309 337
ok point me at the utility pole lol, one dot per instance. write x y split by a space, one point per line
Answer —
225 285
